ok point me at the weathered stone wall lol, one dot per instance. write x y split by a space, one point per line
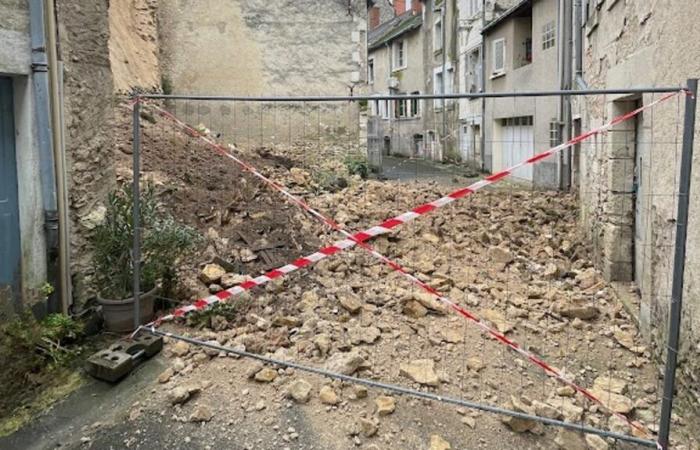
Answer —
89 116
256 47
627 186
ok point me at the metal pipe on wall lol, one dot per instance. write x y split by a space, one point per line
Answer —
42 107
56 92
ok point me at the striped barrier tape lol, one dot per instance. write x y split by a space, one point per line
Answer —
387 226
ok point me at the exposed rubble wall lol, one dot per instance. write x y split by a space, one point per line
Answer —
84 31
628 44
133 44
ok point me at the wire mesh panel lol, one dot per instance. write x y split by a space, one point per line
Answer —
520 299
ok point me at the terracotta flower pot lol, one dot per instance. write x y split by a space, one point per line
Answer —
119 314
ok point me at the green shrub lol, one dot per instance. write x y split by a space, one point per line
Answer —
357 165
163 242
166 84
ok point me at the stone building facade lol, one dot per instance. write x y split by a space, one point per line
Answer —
395 67
440 53
628 178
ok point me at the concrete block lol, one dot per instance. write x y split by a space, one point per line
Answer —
122 357
109 365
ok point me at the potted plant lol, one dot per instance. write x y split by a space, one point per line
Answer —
163 242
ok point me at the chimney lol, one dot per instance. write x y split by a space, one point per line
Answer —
399 7
417 7
374 14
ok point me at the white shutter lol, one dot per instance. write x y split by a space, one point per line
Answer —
499 55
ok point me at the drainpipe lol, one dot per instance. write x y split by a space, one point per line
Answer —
40 80
564 118
56 91
578 28
443 12
483 86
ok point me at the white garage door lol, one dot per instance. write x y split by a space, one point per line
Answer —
518 144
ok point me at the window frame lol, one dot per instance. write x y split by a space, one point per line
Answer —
370 70
472 76
473 8
549 35
437 37
502 70
402 45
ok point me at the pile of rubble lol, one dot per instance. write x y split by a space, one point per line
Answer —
515 258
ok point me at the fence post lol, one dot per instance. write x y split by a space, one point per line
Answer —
674 324
136 213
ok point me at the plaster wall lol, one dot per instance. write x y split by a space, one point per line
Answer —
540 74
15 61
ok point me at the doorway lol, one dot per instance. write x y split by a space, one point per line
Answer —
9 205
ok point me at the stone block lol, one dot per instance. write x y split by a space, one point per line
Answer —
617 271
621 142
620 175
618 242
618 208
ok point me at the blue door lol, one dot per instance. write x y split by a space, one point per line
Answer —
9 208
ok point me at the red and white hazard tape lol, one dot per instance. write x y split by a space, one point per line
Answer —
387 226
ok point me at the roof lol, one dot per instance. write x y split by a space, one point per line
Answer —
394 28
513 11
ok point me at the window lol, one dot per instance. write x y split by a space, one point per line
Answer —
528 50
408 109
415 105
437 35
449 81
549 34
399 60
499 57
409 5
442 82
473 7
437 88
472 73
370 71
381 108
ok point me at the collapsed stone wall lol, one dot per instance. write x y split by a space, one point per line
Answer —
133 44
89 116
629 44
